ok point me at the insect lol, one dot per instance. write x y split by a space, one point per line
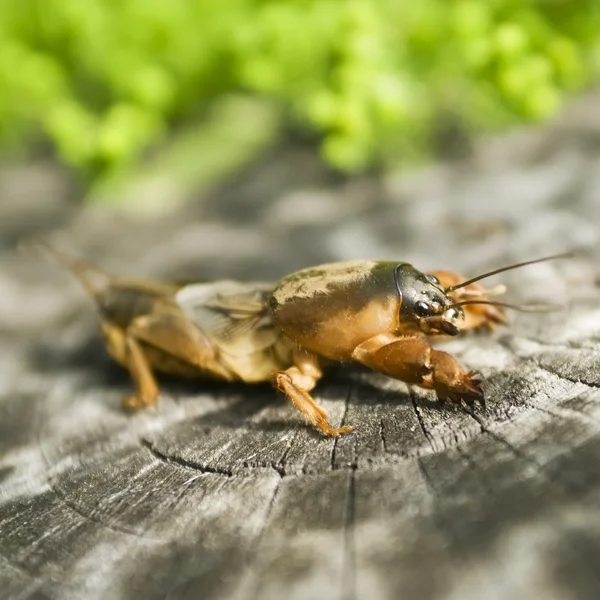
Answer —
376 313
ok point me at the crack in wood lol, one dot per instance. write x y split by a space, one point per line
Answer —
487 431
182 462
435 515
558 486
421 422
333 463
492 493
561 489
67 503
382 436
562 413
560 375
348 584
254 546
471 464
280 465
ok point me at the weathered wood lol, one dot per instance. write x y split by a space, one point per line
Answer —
221 491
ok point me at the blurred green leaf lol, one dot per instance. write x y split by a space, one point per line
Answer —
105 80
192 159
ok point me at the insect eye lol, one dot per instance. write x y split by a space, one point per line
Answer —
433 279
422 309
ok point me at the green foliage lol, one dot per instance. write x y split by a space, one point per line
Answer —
103 79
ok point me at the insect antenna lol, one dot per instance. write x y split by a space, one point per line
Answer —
509 268
519 307
92 278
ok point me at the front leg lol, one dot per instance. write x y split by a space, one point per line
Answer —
412 360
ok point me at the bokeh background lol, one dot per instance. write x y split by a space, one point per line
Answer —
187 91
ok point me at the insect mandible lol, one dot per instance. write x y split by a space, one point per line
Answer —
376 313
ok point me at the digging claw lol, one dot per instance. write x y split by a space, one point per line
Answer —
473 401
472 394
468 390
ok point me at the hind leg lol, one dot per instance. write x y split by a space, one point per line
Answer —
177 341
127 351
142 376
176 336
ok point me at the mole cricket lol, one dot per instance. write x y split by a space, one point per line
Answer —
377 313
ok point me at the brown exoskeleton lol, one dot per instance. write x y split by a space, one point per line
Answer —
371 312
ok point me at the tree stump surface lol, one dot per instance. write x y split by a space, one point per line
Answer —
221 491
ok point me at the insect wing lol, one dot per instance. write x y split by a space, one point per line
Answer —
234 315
